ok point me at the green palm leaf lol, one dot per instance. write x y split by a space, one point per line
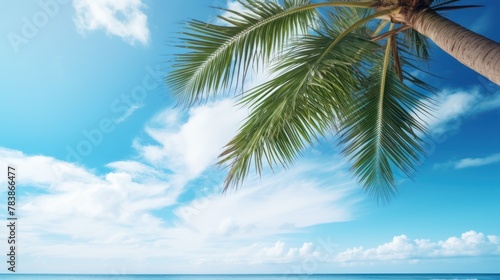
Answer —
333 72
219 53
317 79
380 133
415 44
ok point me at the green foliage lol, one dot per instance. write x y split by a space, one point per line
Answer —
333 73
380 134
220 53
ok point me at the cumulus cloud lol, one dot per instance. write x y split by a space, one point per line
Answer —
267 253
64 190
70 212
402 248
280 252
45 171
124 18
188 146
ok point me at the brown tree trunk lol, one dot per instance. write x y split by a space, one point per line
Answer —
473 50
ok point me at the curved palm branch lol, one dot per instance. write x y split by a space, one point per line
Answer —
317 80
380 133
218 54
334 78
289 112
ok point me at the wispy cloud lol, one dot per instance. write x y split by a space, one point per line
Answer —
281 203
469 162
452 106
124 18
473 162
402 248
128 113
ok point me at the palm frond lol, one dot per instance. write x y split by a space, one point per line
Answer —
380 133
329 77
415 44
316 82
457 7
220 54
390 33
217 54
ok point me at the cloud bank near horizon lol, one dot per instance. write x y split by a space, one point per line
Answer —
402 248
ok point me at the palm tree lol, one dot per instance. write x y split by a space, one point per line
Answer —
339 66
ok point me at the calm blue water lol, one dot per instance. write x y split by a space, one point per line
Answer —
257 277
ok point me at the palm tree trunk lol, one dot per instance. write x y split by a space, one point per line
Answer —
473 50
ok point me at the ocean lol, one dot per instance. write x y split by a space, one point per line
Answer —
255 277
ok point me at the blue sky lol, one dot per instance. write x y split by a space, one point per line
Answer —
113 179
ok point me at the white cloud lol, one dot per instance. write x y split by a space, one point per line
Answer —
402 248
188 148
45 171
71 192
489 103
276 204
469 162
454 106
123 18
281 253
72 213
473 162
451 106
114 214
128 113
266 253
